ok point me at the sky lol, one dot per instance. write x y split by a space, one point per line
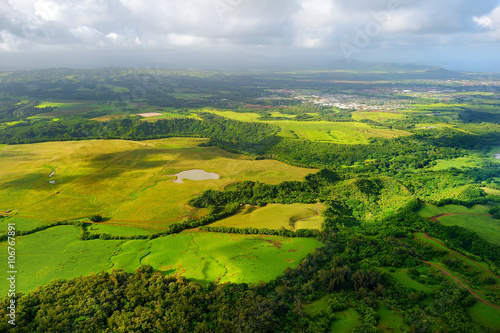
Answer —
455 34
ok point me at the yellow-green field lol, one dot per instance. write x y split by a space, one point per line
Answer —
205 257
485 226
68 107
240 116
343 133
65 105
377 116
11 123
336 132
109 117
428 210
276 216
459 162
487 190
126 181
440 125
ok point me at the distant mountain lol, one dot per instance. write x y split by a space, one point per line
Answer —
426 71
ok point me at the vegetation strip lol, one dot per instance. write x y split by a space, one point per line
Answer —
461 255
462 284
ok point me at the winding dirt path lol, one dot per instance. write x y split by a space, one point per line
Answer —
445 272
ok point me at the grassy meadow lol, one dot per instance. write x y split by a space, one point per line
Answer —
459 163
486 315
68 107
475 219
486 190
342 133
206 257
485 226
391 321
377 116
125 181
276 216
334 132
346 321
428 210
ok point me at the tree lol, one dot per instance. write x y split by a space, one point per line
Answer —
96 218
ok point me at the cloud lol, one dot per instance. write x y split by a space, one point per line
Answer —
231 25
47 10
8 42
490 21
484 21
490 24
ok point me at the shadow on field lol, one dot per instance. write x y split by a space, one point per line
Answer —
13 154
36 180
142 159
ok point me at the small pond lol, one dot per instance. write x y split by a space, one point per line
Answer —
196 174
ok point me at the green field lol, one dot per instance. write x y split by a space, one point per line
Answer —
11 123
22 224
428 210
432 242
391 321
125 181
476 219
459 163
346 321
168 115
59 105
276 216
58 253
240 116
402 277
343 133
190 95
377 116
486 315
68 107
335 132
119 230
485 226
317 305
109 117
490 191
